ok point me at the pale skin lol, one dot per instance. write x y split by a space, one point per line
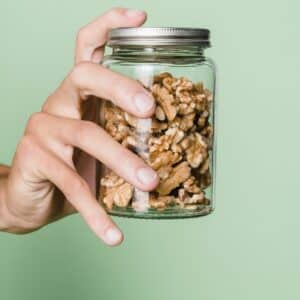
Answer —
46 182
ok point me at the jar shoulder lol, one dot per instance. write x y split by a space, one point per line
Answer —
110 61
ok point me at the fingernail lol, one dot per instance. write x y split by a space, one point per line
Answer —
146 175
134 12
143 102
113 236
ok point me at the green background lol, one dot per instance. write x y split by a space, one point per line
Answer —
249 248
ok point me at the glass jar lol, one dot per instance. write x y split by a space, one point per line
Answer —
178 141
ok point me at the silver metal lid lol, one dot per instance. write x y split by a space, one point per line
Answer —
158 36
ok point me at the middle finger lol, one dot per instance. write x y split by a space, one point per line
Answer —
95 141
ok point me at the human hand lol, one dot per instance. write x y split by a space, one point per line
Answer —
47 181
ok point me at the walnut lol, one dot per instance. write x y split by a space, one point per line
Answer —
182 195
164 158
159 113
115 123
176 148
186 108
115 191
131 120
183 94
167 83
187 122
191 185
165 149
205 114
196 149
159 144
171 137
164 171
159 77
201 122
190 194
157 127
208 94
201 103
111 180
120 195
122 132
198 87
112 129
175 134
191 206
182 82
205 180
195 199
203 119
193 202
166 101
129 142
165 142
161 202
204 167
178 175
184 123
207 132
113 113
186 83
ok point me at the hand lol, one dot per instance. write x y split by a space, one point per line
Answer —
47 181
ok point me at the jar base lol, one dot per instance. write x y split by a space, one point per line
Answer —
174 213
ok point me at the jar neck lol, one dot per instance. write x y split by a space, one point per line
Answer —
171 51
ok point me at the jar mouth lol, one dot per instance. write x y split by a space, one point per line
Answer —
159 36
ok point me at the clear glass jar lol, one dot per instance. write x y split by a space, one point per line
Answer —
178 141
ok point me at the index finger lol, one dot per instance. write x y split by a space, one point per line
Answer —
92 38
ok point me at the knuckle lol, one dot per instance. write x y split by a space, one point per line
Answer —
88 125
128 85
31 154
27 148
75 186
124 86
34 121
81 35
83 131
79 73
115 11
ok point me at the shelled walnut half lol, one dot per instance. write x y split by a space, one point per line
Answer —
177 144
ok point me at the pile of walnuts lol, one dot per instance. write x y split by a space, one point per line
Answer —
176 143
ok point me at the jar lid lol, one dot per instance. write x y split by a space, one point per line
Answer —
158 36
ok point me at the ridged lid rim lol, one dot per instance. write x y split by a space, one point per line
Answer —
143 36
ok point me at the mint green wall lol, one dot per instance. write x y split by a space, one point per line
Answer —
250 247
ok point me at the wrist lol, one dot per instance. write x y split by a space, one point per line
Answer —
4 224
8 222
4 170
